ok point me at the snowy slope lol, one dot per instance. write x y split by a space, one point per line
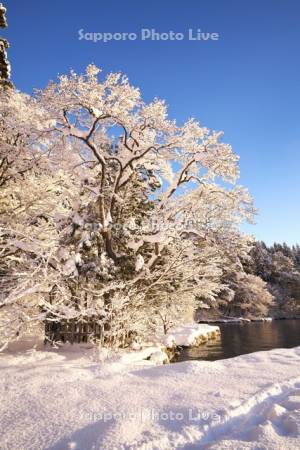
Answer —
68 400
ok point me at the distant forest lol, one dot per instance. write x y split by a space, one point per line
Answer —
266 282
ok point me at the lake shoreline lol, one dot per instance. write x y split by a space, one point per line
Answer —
243 337
245 319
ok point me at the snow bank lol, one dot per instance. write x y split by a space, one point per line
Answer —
238 319
227 320
57 400
262 319
192 334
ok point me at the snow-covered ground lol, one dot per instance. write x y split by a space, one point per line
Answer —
70 399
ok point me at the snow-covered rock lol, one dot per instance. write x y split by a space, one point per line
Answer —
191 334
140 355
159 357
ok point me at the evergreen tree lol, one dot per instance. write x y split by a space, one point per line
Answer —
4 63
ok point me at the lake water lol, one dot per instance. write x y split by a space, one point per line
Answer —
241 338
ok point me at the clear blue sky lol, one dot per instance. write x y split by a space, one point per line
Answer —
247 83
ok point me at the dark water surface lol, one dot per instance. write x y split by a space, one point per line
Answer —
241 338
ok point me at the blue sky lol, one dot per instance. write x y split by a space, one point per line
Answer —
247 83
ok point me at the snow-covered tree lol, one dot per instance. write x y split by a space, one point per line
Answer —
278 266
251 297
135 212
32 197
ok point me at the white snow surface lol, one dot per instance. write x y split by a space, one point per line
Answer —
186 335
71 399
